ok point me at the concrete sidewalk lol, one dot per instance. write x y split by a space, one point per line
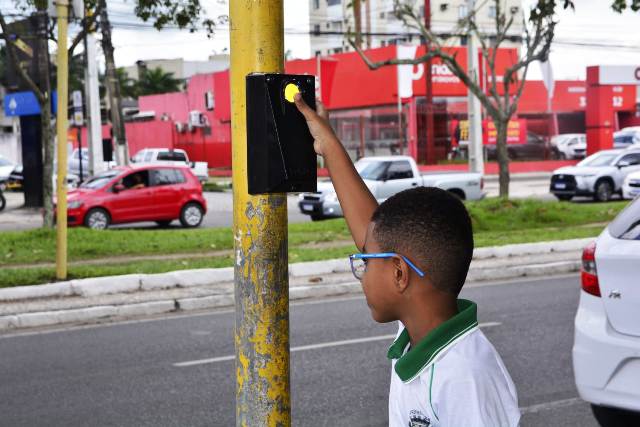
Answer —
122 297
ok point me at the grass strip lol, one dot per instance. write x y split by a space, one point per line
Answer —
496 222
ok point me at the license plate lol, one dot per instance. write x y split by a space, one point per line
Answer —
560 186
307 208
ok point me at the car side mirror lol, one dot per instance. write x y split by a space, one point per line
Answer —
623 164
118 188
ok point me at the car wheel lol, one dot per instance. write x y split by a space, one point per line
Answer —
604 191
615 417
97 219
564 197
163 224
191 215
458 193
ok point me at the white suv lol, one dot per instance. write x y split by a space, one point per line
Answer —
606 350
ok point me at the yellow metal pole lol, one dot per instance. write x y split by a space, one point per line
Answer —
260 233
62 9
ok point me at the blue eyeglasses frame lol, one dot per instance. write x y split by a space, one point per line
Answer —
382 255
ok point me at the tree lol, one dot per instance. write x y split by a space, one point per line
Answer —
162 13
500 99
155 81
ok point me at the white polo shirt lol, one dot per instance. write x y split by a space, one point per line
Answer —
454 377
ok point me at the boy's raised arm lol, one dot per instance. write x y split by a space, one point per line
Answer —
357 202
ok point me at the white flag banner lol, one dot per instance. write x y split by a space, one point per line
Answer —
547 77
405 72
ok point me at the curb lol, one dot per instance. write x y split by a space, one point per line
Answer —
210 276
110 312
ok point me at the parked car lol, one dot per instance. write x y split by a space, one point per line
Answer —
599 175
6 167
631 186
386 176
606 349
160 193
570 145
535 148
79 162
172 157
626 137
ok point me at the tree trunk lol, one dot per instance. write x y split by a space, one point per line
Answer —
45 118
503 156
113 89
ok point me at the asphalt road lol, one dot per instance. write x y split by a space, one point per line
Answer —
126 374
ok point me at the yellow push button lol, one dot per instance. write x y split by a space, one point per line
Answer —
290 91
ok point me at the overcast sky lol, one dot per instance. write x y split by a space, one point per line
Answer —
591 35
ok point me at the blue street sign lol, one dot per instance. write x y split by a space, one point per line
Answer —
26 104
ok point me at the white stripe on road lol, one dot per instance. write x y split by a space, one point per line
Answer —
311 347
550 405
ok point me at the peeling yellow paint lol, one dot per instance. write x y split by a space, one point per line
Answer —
260 235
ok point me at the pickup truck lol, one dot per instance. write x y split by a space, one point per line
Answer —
599 175
175 156
386 176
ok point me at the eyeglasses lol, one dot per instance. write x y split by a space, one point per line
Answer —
359 263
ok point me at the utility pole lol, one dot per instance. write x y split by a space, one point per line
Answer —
260 234
430 152
476 155
92 103
113 88
62 123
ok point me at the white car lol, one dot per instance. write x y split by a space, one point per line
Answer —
570 145
599 175
606 349
631 186
172 157
6 167
626 137
386 176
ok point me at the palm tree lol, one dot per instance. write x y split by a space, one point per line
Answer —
157 80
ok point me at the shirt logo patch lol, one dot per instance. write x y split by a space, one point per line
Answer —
418 419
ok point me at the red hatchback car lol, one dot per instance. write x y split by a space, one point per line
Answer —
160 193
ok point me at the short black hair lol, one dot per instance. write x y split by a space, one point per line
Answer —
433 229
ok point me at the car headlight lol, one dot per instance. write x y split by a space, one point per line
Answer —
331 198
74 204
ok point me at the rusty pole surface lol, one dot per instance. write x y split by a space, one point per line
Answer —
260 234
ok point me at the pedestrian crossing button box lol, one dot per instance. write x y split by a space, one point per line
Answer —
280 154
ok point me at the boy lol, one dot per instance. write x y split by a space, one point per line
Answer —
416 250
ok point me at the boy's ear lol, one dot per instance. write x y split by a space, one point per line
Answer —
400 274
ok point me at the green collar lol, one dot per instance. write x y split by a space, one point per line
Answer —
414 361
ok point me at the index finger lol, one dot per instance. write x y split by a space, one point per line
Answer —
306 111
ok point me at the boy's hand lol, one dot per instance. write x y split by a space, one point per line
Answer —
318 123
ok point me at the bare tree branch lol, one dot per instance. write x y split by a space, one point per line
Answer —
87 23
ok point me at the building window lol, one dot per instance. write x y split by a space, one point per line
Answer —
381 15
383 43
316 28
337 50
333 2
421 13
316 4
328 25
318 52
462 11
463 40
492 11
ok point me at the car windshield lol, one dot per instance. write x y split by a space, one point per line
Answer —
599 159
374 170
623 139
100 180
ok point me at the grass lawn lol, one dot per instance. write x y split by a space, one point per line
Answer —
495 221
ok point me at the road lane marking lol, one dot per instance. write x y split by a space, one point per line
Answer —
532 409
311 347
